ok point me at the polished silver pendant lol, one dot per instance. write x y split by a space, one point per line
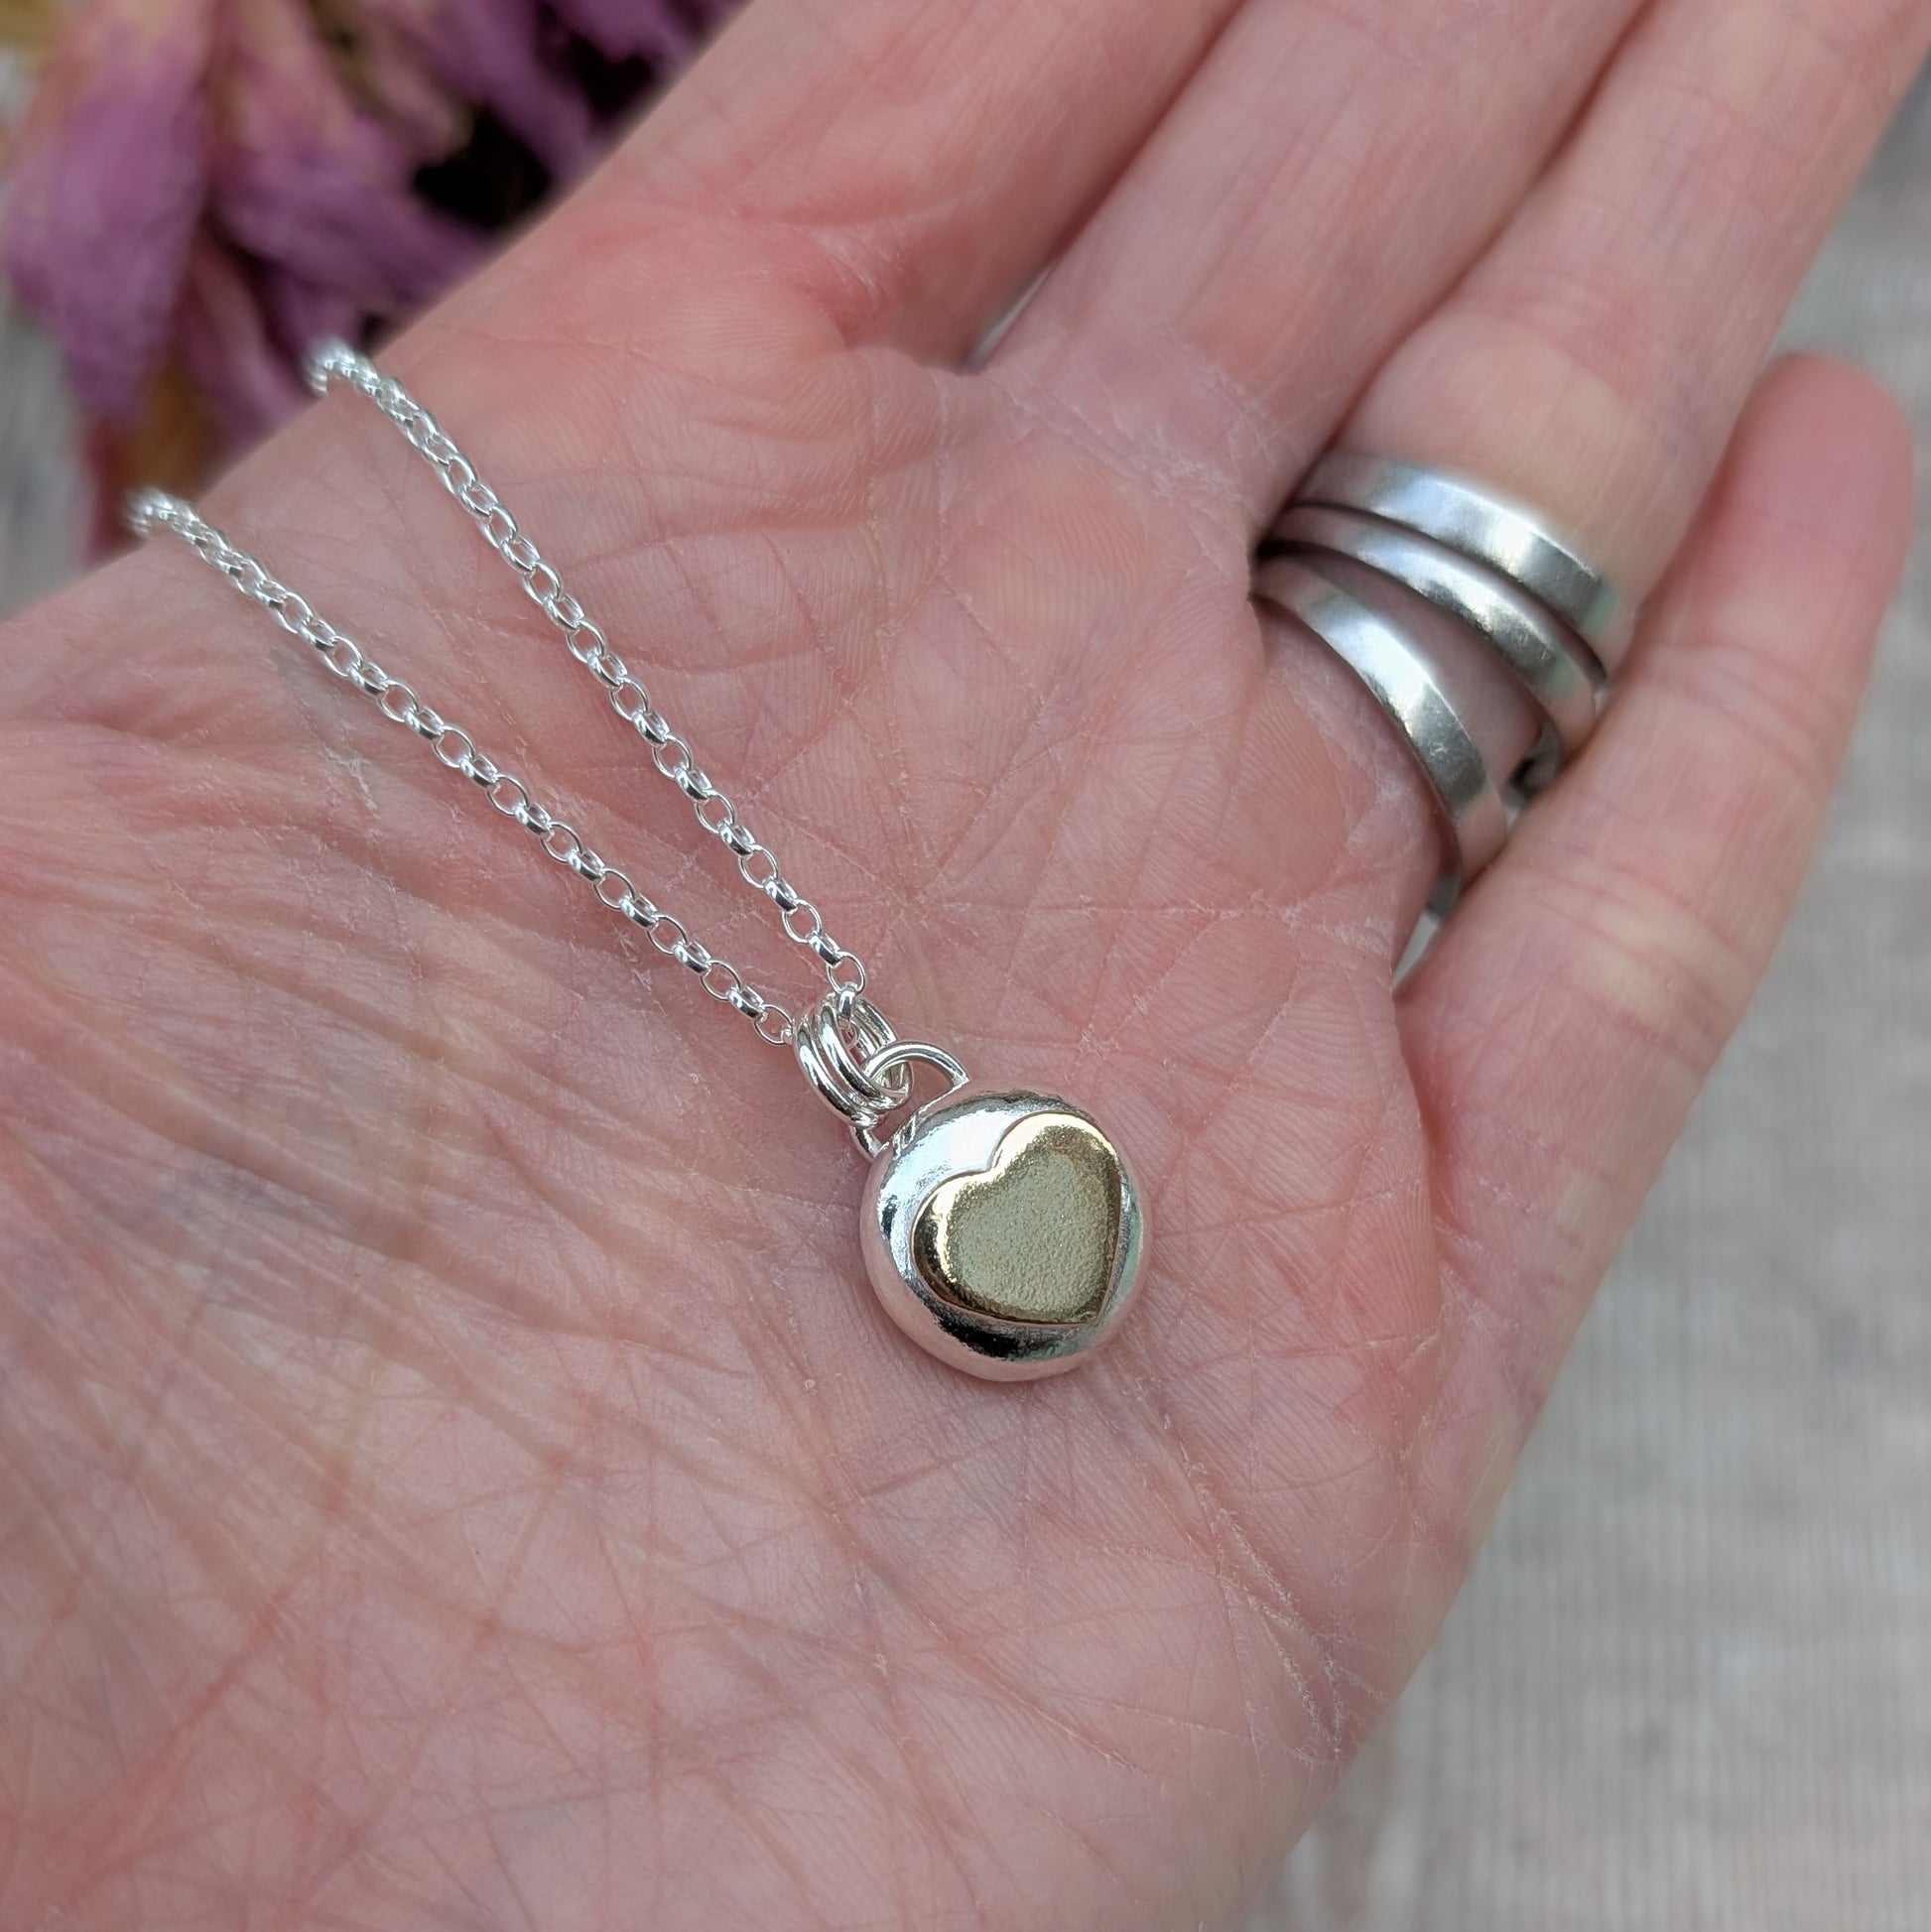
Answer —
1003 1233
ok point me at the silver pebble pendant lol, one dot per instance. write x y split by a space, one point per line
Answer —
1002 1230
1003 1233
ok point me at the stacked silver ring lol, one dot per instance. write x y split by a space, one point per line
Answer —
1399 570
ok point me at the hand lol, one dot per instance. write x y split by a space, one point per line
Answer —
455 1474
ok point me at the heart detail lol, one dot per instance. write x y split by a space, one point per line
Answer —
1034 1236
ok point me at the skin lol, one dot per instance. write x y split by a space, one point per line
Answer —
452 1473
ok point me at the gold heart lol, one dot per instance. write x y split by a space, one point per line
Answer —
1034 1236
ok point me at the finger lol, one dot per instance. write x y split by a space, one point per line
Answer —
1594 361
914 165
1561 1027
1293 216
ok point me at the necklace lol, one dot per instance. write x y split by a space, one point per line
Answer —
1001 1229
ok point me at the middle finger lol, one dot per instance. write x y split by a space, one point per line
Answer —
1326 175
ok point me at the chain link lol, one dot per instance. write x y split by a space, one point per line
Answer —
338 652
804 925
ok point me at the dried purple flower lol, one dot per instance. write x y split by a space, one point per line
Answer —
490 52
305 180
108 183
206 186
240 370
662 32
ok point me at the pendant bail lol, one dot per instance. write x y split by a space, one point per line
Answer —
859 1066
835 1042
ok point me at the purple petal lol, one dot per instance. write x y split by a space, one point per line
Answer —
490 52
396 83
108 183
303 178
620 29
226 350
298 315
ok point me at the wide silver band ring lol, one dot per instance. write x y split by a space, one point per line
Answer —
1398 673
1479 523
1555 670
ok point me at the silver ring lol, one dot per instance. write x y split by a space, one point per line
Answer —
1405 685
1481 524
1551 667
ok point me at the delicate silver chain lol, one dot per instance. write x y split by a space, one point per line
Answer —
585 642
338 652
842 1043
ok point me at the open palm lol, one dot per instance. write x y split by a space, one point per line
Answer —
455 1474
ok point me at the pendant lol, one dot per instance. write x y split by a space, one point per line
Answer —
1003 1233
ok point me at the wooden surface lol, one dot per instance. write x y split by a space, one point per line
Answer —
41 515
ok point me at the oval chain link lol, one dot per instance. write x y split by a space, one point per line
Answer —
338 652
804 925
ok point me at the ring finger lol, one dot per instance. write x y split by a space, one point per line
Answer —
1594 364
1594 361
1597 359
1323 180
